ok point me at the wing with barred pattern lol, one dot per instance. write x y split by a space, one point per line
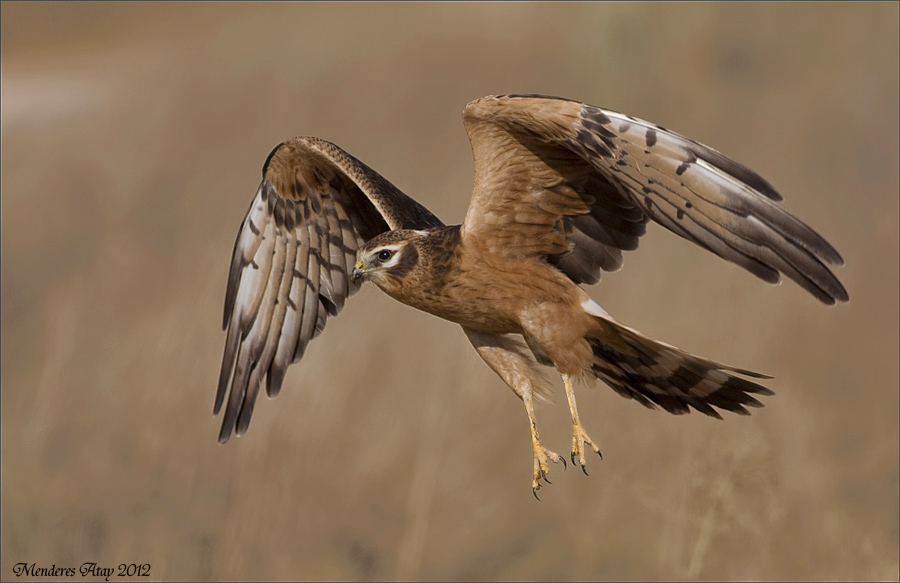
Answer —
291 265
576 184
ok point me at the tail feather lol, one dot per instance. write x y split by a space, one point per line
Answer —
654 373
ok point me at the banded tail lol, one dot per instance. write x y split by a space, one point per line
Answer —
654 373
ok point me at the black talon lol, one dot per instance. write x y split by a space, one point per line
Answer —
563 460
600 454
584 469
534 491
543 475
573 459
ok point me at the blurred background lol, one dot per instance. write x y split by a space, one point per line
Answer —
132 141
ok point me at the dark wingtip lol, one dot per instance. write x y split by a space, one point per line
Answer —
274 380
828 253
224 434
220 396
750 373
246 414
842 295
228 424
224 377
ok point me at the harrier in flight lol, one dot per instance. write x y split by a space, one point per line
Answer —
561 190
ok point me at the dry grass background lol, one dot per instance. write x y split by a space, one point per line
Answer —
132 140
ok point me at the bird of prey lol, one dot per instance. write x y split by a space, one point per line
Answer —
562 188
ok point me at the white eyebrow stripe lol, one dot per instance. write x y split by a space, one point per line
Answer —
390 262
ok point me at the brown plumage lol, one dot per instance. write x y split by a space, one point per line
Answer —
561 189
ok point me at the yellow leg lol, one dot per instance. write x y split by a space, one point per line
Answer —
541 454
579 435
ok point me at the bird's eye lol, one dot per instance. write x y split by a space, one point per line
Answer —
384 255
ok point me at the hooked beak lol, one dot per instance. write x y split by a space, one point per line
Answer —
357 272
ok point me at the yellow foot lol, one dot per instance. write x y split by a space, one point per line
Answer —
580 439
579 435
541 456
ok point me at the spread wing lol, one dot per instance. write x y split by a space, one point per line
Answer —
576 185
316 205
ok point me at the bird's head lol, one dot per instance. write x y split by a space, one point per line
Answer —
388 259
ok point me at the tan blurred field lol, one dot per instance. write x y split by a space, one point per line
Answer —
132 141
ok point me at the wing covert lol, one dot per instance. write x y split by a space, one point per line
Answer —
290 269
